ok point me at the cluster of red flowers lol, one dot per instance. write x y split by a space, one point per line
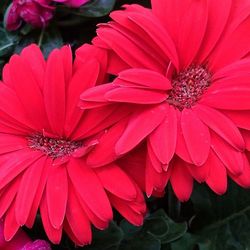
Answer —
74 145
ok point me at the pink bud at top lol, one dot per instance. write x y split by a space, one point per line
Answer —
35 12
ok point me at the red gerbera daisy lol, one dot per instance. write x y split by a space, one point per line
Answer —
183 66
44 140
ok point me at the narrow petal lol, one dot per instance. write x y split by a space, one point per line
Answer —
234 97
143 122
132 54
142 78
53 234
34 57
220 124
77 219
181 147
111 177
196 135
83 78
97 93
227 52
54 92
217 177
158 34
39 193
136 95
125 210
218 15
10 224
8 195
57 195
232 159
244 179
182 18
23 80
181 180
104 152
27 190
82 176
241 118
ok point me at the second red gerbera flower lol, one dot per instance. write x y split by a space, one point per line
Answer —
44 141
183 68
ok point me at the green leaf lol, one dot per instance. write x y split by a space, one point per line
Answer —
221 223
47 39
108 239
7 42
95 8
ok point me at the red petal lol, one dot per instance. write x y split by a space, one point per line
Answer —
34 57
136 95
196 135
181 180
217 177
181 147
28 91
10 224
96 94
126 211
8 195
234 97
132 54
104 152
54 92
140 125
217 19
240 118
39 192
142 78
158 34
232 159
220 124
83 177
53 234
77 219
27 190
227 52
57 195
111 177
163 139
84 78
244 179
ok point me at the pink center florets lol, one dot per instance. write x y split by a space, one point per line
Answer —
188 86
53 147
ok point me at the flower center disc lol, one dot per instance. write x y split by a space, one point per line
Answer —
53 147
188 86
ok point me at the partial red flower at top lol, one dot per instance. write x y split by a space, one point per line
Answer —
37 13
183 67
44 141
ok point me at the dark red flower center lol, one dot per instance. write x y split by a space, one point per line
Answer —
188 86
53 147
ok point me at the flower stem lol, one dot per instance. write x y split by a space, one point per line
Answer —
174 205
40 40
